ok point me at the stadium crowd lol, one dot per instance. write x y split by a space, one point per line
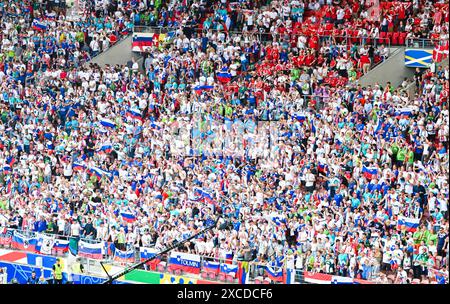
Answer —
245 113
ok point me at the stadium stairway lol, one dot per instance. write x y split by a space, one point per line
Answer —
393 69
120 53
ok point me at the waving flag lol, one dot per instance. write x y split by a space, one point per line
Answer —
213 267
39 25
61 245
369 173
185 261
228 269
300 117
10 161
124 256
128 217
107 123
224 77
379 126
78 167
92 251
204 196
409 224
274 274
404 111
243 273
19 241
99 173
199 89
278 220
322 168
134 114
106 148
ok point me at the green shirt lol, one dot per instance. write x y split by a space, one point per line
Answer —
411 157
401 155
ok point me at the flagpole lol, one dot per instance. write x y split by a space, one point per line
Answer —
176 245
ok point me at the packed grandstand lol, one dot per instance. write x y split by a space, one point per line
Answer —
256 114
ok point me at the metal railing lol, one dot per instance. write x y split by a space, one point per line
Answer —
421 42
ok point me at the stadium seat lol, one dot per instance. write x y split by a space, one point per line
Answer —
381 37
221 277
204 275
395 37
415 281
212 275
258 280
267 281
402 38
230 278
389 38
425 281
178 271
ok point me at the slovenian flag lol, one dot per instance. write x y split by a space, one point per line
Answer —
91 251
185 261
407 223
369 173
274 275
199 89
78 166
134 114
100 173
11 161
61 245
404 111
39 25
322 168
106 148
107 123
379 125
204 196
211 267
124 256
128 217
142 40
224 76
21 242
50 16
300 117
341 280
146 253
278 221
228 269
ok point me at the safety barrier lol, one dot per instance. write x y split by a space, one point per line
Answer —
211 269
